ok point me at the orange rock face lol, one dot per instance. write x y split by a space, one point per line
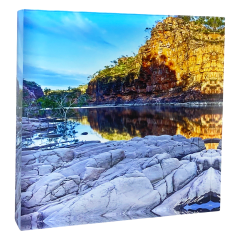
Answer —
182 54
181 62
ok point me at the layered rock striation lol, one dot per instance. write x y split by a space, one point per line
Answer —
118 180
181 62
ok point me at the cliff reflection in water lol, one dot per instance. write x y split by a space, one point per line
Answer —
124 123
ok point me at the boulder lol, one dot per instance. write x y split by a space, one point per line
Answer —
168 165
206 159
208 182
184 175
154 173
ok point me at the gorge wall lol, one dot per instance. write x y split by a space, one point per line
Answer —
32 90
182 61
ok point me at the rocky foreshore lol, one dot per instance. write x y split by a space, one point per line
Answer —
153 103
117 180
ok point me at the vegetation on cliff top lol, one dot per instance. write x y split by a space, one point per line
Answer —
120 68
30 84
212 24
185 33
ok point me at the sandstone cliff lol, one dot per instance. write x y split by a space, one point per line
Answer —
182 61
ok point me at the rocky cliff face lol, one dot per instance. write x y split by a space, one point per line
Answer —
32 89
181 62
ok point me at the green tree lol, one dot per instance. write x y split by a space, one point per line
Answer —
215 24
186 18
60 102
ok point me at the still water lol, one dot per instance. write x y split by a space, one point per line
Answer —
124 123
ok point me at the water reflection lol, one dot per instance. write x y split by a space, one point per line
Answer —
117 217
209 206
51 137
124 123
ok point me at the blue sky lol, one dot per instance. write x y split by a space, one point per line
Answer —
62 49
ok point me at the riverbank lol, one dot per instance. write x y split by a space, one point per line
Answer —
117 180
129 104
186 104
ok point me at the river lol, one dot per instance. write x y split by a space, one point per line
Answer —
124 123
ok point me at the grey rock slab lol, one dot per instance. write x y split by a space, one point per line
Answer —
169 182
183 162
156 138
168 165
75 178
131 155
181 149
155 159
75 169
154 173
184 175
54 206
45 169
92 173
117 156
179 138
134 173
206 159
165 142
198 142
103 160
120 169
207 182
153 151
121 195
43 188
56 158
161 187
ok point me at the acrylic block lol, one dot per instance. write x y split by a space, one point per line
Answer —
119 116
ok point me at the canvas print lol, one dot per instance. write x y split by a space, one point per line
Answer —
119 116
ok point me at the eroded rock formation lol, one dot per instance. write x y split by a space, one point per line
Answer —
116 180
32 90
181 62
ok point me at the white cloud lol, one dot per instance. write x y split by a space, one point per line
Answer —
77 22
